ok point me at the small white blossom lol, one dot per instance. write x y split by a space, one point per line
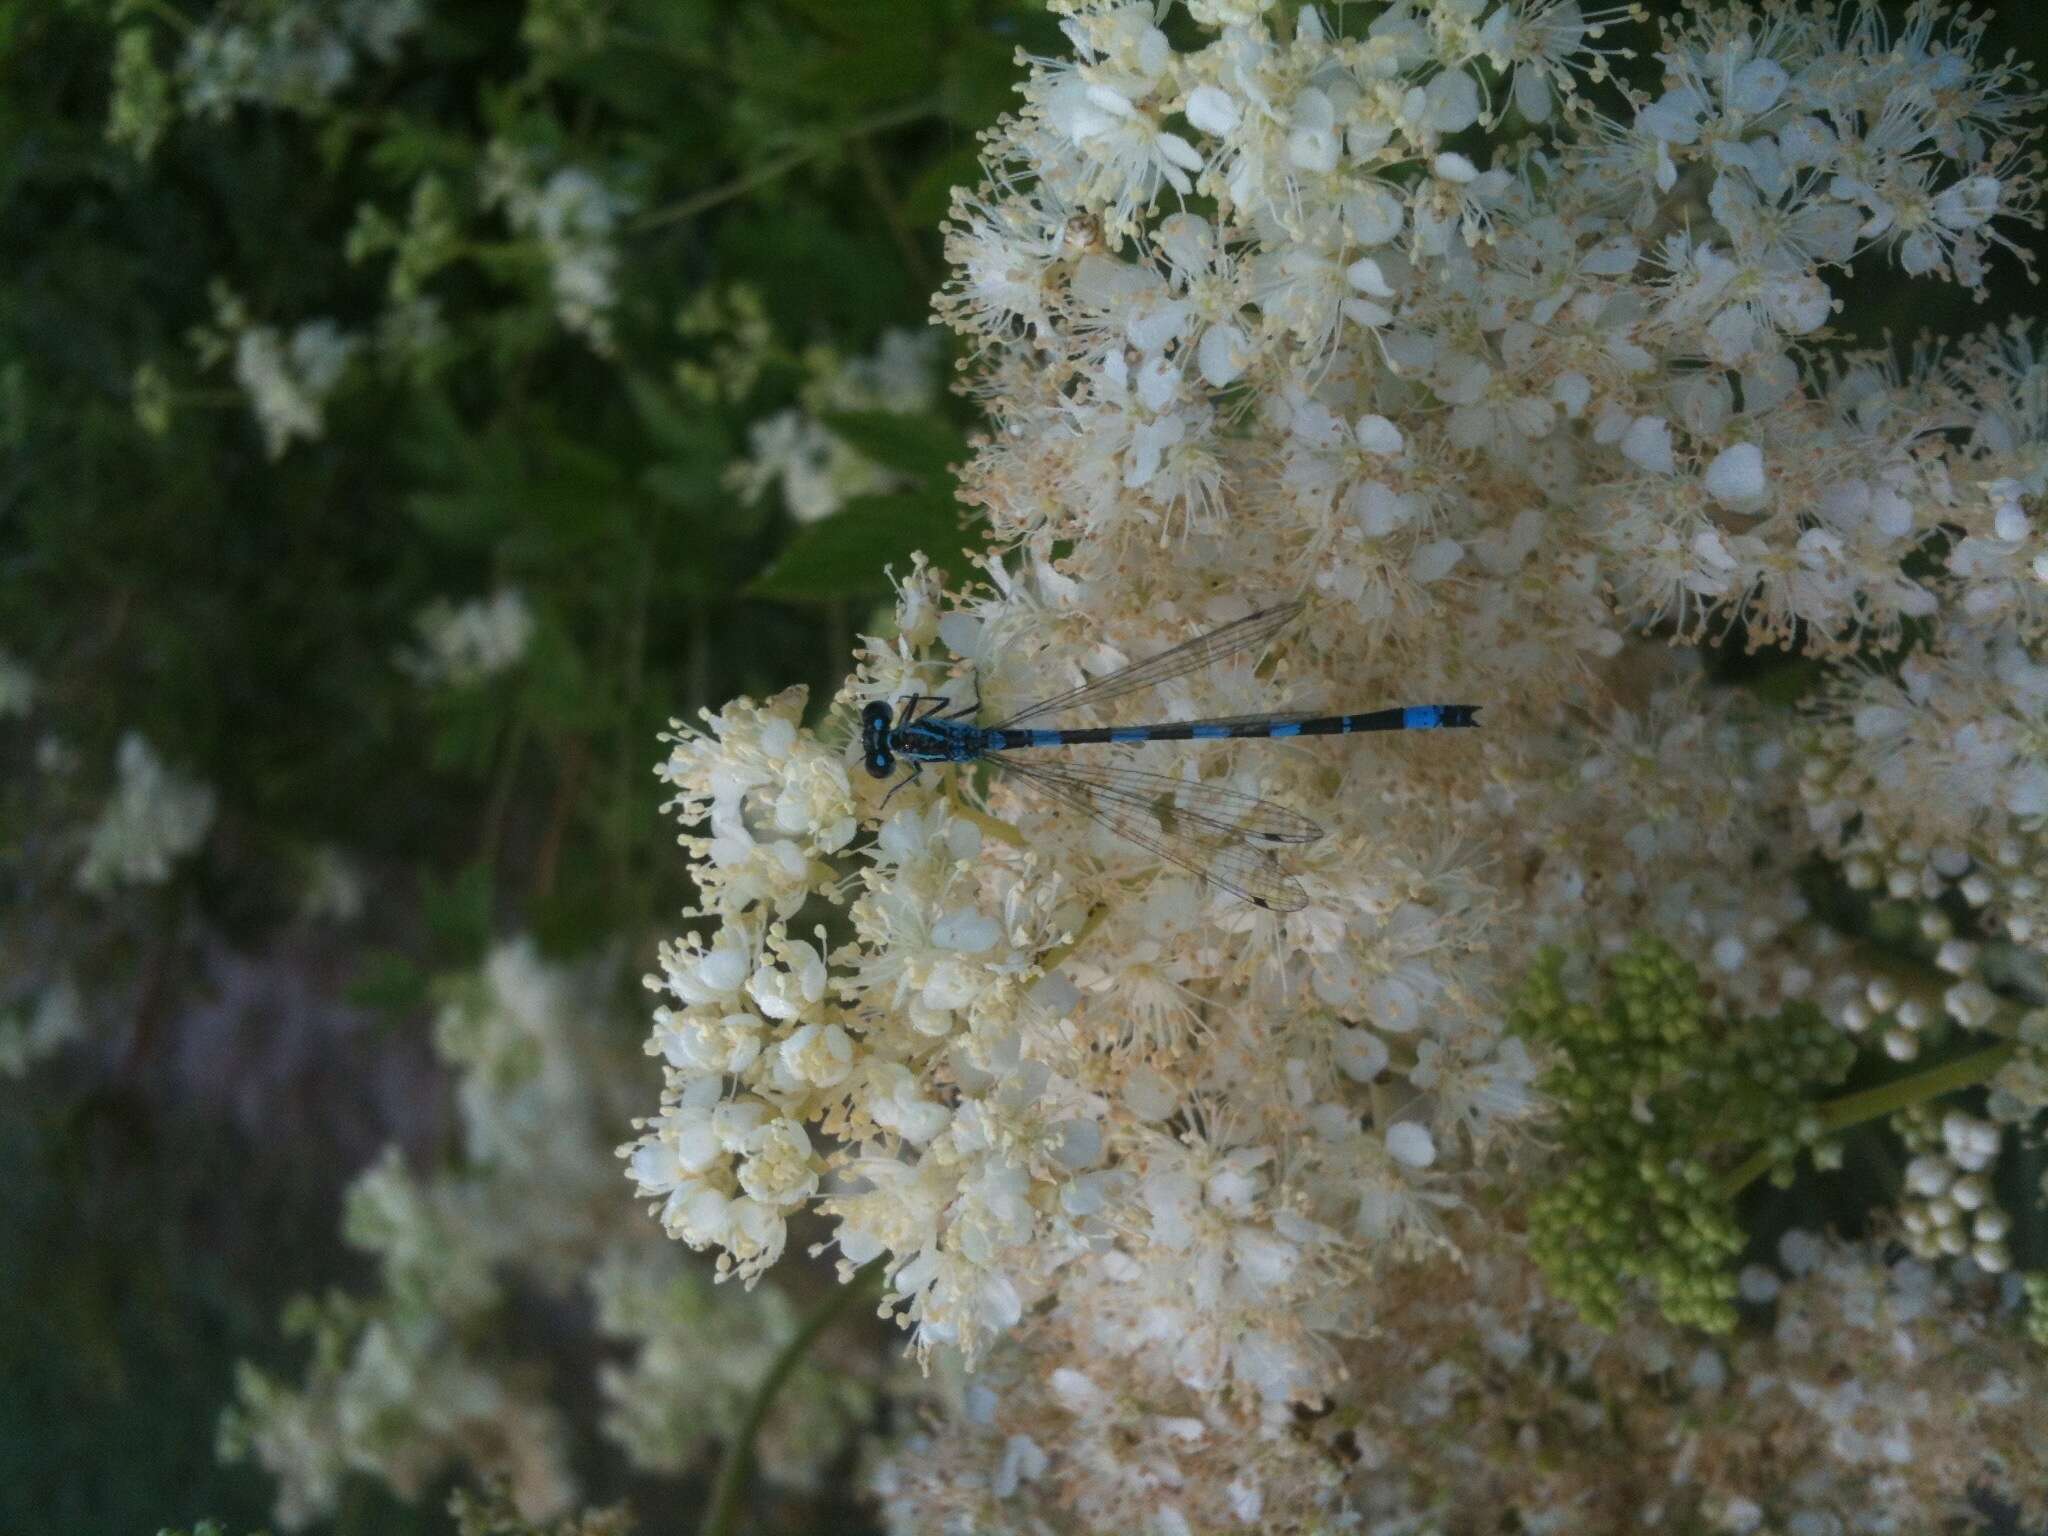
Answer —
288 381
30 1033
462 645
17 688
816 470
154 818
573 216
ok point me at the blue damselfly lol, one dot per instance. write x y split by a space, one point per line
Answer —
1223 836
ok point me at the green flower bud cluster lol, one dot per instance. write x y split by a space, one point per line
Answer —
2036 1320
139 109
1657 1091
429 240
153 400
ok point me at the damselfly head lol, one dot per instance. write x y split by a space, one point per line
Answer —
874 740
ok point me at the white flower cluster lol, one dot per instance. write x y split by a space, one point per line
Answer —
400 1385
817 471
1933 777
154 818
995 1114
32 1032
1882 1442
463 644
411 1380
332 888
1481 1397
1949 1208
288 382
293 55
397 1398
17 687
1496 408
573 216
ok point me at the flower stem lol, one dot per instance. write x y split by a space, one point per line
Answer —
869 164
739 1451
771 169
1885 1099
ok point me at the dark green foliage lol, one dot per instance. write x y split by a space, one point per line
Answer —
823 560
163 572
244 613
916 446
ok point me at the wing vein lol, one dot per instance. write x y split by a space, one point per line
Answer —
1216 853
1202 651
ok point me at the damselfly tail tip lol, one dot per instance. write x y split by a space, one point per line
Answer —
1462 714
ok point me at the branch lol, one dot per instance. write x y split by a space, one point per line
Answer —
771 170
739 1451
1885 1099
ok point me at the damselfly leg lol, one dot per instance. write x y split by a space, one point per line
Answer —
910 777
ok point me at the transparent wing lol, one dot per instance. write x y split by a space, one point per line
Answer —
1203 651
1172 800
1153 816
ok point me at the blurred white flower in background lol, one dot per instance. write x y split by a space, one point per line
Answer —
288 380
154 818
817 471
463 644
17 688
292 55
574 217
31 1032
413 1378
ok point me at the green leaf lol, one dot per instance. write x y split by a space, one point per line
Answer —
685 487
892 64
415 147
387 981
844 555
694 449
459 517
815 273
692 436
558 687
980 81
458 914
922 446
577 918
1787 683
575 498
468 725
930 197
